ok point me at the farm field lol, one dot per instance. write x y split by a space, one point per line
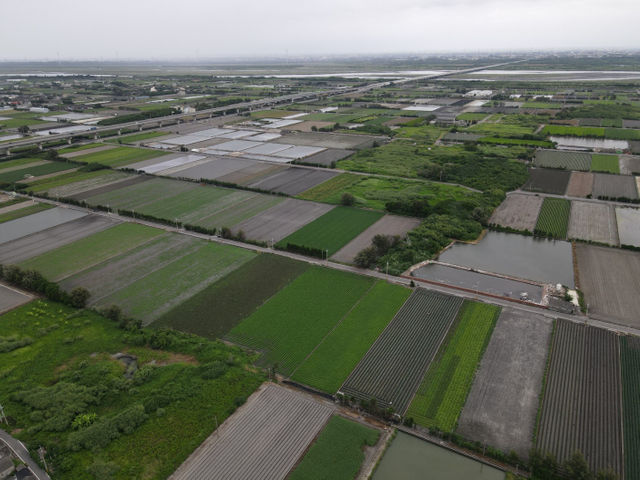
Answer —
23 209
595 222
614 186
212 168
119 156
630 363
262 440
339 352
222 305
138 137
629 164
11 298
294 180
518 211
328 157
337 453
333 230
281 220
407 345
628 222
35 170
252 173
80 148
36 222
388 225
329 140
564 160
20 163
581 405
608 277
605 163
71 184
38 243
68 365
76 256
111 186
95 148
503 401
443 391
547 181
554 218
580 184
292 323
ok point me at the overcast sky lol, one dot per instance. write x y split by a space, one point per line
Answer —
204 29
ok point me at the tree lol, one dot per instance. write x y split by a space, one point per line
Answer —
23 129
347 199
79 297
577 467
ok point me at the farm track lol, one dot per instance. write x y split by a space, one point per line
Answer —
581 409
407 345
263 440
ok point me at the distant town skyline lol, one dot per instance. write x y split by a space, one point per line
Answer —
200 29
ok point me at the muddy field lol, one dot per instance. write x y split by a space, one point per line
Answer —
501 407
614 186
581 409
35 244
216 167
547 181
628 220
580 184
264 439
387 225
518 211
37 222
629 164
253 173
610 282
10 298
282 220
328 157
595 222
294 180
331 140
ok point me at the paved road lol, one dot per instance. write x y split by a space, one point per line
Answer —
371 273
23 454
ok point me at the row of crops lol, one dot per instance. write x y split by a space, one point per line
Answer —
553 220
579 161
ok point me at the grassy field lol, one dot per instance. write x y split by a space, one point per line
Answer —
137 137
57 371
120 156
329 365
222 305
333 230
23 212
292 322
553 219
443 392
337 453
78 148
605 163
81 254
36 171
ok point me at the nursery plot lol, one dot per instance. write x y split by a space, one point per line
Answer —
275 223
503 402
628 221
580 184
38 243
595 222
293 322
294 180
547 181
262 440
387 225
394 366
554 218
518 211
564 160
614 186
581 408
37 222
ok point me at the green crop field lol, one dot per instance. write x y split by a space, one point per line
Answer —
222 305
62 390
334 229
630 363
472 117
605 163
47 184
337 355
444 389
35 171
622 133
20 162
292 323
516 141
119 156
78 148
137 137
81 254
574 131
553 219
23 212
337 453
